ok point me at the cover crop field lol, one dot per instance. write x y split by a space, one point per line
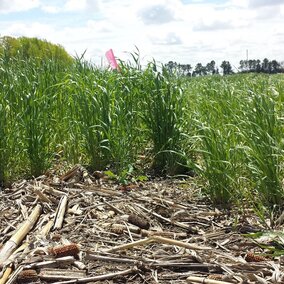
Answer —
139 175
227 131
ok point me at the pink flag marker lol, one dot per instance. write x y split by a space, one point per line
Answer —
111 59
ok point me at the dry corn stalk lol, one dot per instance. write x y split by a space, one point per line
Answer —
47 227
27 276
203 280
16 252
62 261
63 274
130 245
6 275
42 197
71 173
120 228
11 259
100 277
13 277
61 209
146 233
157 239
20 234
179 243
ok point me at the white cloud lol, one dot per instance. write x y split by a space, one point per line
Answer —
81 5
262 3
213 25
50 9
91 5
170 38
8 6
34 29
156 14
254 4
74 5
163 29
268 13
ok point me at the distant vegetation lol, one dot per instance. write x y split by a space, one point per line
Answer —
227 130
37 49
246 66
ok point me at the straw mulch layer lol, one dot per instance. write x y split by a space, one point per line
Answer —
83 228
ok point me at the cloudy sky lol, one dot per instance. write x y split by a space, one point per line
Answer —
185 31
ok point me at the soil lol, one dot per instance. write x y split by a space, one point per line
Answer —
89 229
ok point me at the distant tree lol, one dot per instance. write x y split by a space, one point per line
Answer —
243 66
24 47
227 68
248 65
183 69
265 65
255 65
210 67
188 68
258 66
282 67
251 65
171 66
200 70
275 66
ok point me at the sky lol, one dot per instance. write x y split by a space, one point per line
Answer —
184 31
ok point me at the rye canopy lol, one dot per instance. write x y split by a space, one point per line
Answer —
226 131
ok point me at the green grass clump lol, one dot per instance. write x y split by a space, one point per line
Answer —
263 137
239 133
103 116
3 144
220 164
163 109
215 119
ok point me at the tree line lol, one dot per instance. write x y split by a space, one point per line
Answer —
25 48
246 66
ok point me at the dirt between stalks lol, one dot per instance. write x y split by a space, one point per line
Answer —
88 229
